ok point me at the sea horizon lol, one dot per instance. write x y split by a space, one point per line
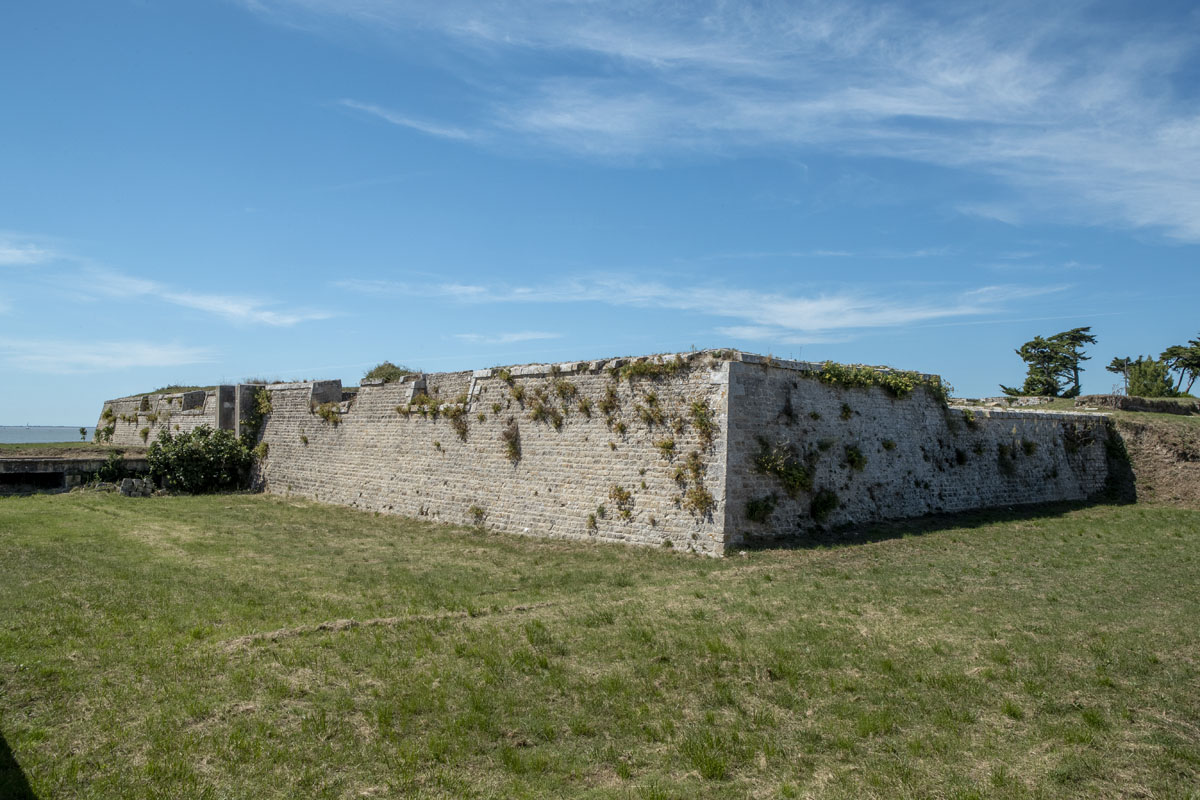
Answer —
40 434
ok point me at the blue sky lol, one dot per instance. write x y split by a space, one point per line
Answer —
203 192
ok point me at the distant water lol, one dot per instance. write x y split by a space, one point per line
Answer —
29 434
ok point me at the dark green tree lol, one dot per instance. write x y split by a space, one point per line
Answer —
1184 361
1149 377
1120 366
1053 364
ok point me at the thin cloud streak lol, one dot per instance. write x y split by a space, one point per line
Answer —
760 310
233 308
17 252
74 357
507 338
396 118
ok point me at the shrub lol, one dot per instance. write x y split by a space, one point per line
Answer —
387 372
113 468
855 458
200 461
329 412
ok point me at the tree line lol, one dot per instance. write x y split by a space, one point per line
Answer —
1055 362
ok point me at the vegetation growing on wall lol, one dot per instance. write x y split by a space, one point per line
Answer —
855 458
651 370
388 372
511 436
824 503
703 422
259 409
760 509
897 383
622 498
690 476
782 462
458 421
330 413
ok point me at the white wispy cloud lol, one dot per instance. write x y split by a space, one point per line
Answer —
506 338
231 307
403 121
757 312
70 357
17 251
767 333
1075 108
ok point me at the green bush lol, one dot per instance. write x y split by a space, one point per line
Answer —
113 469
200 461
387 372
1150 378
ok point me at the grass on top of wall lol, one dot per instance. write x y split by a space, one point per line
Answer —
256 646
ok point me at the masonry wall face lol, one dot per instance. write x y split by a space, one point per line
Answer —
378 459
180 412
888 458
601 458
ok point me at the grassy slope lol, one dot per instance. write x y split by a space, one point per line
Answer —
1044 656
65 450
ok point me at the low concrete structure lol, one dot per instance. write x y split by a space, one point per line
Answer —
26 474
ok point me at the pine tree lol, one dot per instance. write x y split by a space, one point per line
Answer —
1053 364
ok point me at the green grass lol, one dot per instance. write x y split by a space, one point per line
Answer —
44 445
251 646
72 449
1189 422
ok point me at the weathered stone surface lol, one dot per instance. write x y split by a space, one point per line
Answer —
378 459
889 458
602 458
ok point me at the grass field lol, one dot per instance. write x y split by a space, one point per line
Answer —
248 646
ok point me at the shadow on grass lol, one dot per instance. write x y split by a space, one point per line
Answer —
916 526
13 785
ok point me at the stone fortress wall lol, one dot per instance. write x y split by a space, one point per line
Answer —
806 454
136 420
696 451
557 450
